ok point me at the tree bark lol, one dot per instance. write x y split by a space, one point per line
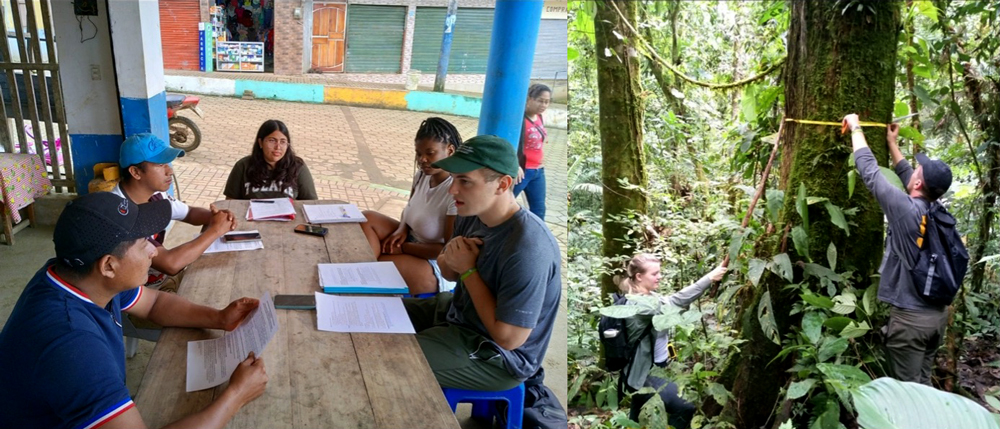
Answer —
837 64
621 131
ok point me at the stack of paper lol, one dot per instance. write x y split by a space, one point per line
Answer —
362 277
280 209
332 213
211 362
362 314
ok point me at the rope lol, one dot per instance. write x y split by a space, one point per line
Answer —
837 124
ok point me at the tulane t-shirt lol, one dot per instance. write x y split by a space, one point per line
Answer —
519 262
62 359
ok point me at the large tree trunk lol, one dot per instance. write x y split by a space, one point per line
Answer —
621 129
837 64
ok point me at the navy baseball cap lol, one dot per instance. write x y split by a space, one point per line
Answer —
146 147
92 226
937 175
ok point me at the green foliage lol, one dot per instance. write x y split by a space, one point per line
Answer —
887 403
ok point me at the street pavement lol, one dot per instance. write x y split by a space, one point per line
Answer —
360 155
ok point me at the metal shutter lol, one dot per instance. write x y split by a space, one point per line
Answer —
470 45
550 51
179 34
374 38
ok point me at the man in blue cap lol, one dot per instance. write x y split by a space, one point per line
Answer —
146 175
493 332
916 327
61 349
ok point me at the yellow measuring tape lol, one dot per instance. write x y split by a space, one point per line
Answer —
811 122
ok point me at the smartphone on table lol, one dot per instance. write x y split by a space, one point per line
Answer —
311 230
241 236
295 302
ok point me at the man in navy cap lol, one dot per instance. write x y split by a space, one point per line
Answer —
915 327
61 349
146 175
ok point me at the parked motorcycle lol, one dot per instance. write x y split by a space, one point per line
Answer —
184 133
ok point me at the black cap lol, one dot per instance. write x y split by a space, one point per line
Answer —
92 226
937 176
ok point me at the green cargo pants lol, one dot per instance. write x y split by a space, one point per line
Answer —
912 341
459 356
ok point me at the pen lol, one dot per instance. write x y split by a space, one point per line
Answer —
262 201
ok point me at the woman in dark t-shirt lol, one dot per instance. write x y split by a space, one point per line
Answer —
272 170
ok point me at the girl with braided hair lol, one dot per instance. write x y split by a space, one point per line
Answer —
414 241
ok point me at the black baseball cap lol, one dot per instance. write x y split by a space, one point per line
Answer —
92 226
937 175
478 152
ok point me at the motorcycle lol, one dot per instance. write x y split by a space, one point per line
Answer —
184 133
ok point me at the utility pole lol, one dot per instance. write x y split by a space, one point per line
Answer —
449 27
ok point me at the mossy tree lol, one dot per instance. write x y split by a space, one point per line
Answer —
621 131
840 61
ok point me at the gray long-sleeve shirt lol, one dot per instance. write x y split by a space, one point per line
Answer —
903 214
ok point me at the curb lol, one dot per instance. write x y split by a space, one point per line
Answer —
416 101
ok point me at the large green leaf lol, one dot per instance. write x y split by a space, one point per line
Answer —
620 311
849 373
887 403
924 96
832 348
812 326
775 199
854 330
765 315
818 301
852 176
837 217
892 178
782 266
837 324
831 256
844 303
802 205
801 240
927 9
755 270
799 389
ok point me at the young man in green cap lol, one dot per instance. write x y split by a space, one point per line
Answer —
493 332
146 175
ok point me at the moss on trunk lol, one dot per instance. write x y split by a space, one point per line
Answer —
837 64
621 129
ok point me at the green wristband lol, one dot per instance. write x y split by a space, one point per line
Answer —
468 273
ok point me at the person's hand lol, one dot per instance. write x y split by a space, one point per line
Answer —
520 175
236 311
850 122
717 273
393 244
892 133
460 253
249 379
222 221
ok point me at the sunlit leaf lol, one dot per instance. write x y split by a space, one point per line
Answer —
775 199
851 177
818 301
572 53
799 389
755 270
924 96
887 403
927 8
782 266
868 299
812 326
765 315
844 303
900 108
854 330
831 256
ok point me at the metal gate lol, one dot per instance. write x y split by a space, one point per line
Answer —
33 110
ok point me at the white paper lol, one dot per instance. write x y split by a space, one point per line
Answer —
220 245
280 209
384 315
211 362
332 213
367 275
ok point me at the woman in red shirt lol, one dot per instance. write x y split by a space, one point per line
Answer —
529 151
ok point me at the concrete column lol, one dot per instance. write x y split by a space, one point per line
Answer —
411 21
515 31
138 56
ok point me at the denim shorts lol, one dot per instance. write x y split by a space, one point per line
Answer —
444 285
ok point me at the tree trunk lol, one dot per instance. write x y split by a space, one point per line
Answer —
837 64
621 130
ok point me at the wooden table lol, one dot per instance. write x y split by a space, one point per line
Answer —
315 379
22 179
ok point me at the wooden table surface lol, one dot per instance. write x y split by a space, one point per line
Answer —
315 379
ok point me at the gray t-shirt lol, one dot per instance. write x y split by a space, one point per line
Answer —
519 262
903 214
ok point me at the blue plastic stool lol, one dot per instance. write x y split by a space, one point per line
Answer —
481 401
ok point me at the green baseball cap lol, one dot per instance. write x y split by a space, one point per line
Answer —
491 152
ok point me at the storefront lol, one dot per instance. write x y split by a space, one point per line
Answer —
470 43
244 35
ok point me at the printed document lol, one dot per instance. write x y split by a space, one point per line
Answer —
332 213
211 362
220 245
362 277
384 315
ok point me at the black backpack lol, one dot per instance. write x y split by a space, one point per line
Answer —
614 336
943 259
542 409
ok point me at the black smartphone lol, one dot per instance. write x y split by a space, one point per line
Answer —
311 229
295 302
241 236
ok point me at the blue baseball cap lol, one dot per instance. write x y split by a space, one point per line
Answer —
146 147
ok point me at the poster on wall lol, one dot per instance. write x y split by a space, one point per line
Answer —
239 56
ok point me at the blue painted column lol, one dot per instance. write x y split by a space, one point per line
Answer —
449 26
135 35
508 70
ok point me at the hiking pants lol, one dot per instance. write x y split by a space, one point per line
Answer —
459 356
912 341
